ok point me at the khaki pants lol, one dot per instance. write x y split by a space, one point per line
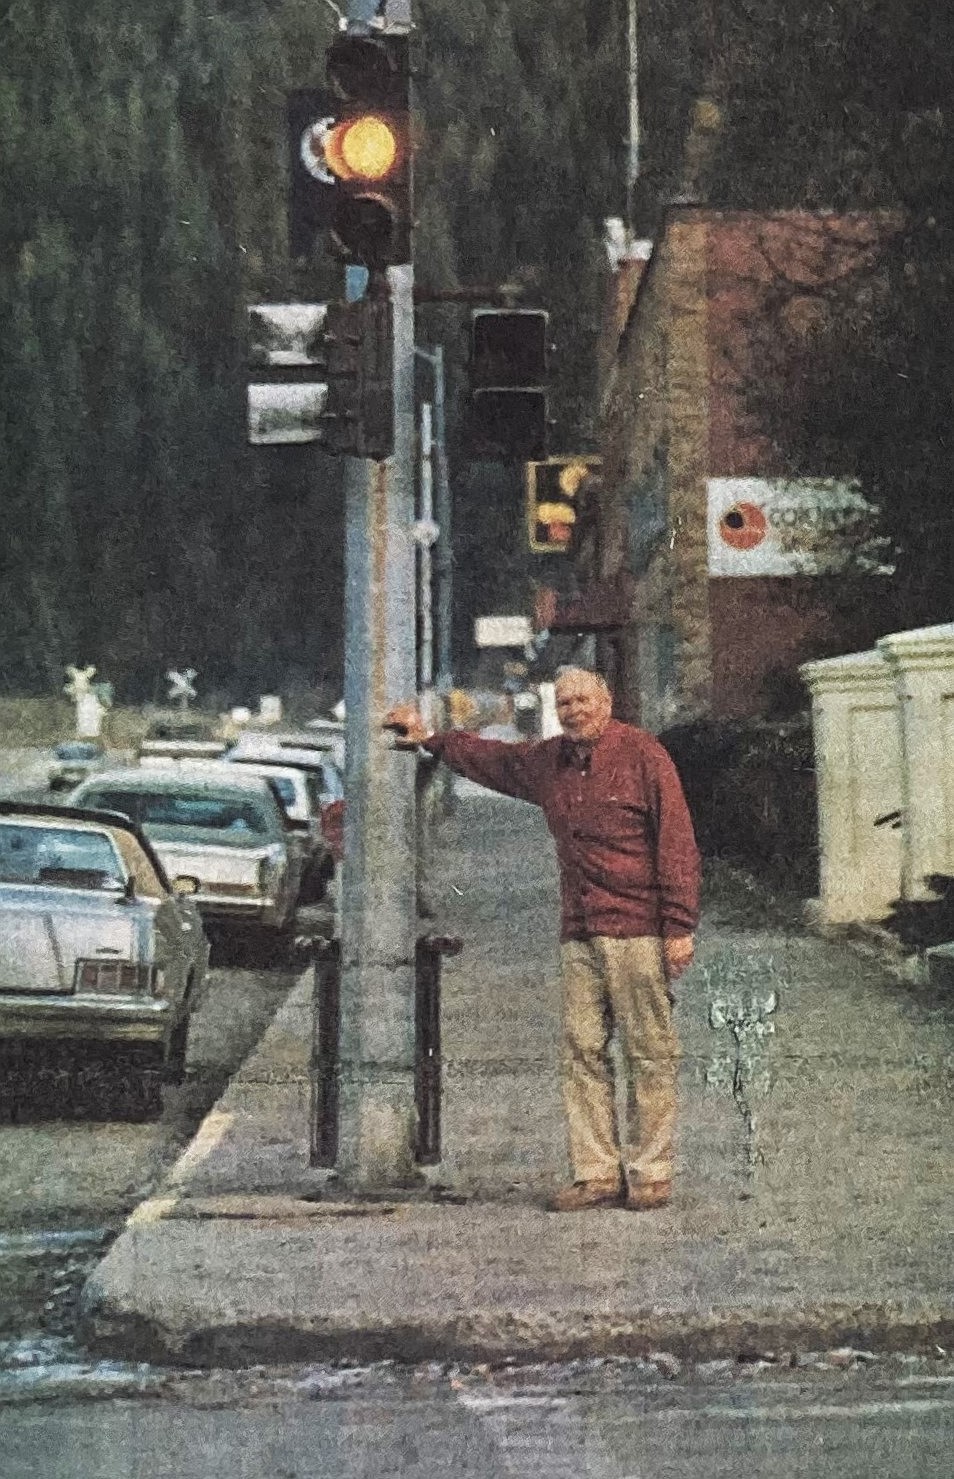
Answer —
618 985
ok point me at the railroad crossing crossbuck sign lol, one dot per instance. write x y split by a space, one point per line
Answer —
181 685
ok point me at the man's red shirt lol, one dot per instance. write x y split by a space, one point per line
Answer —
627 854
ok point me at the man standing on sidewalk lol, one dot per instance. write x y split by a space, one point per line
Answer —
629 884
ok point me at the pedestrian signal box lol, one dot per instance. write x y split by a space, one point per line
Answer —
553 489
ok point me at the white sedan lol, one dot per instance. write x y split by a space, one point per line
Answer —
222 827
95 943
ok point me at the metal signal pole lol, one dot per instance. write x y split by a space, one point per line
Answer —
376 1128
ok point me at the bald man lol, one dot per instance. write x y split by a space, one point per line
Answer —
629 885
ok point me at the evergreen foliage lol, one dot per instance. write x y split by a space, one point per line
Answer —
142 206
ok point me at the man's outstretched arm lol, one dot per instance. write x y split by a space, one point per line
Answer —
512 769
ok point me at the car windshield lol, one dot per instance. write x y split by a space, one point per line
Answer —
224 811
67 856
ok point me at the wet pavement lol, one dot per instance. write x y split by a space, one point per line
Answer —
72 1167
836 1414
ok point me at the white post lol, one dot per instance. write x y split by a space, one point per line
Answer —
858 768
425 561
922 663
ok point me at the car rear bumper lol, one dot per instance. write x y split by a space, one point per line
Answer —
230 909
97 1018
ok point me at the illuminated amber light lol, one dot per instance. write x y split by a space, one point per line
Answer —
555 513
571 476
363 149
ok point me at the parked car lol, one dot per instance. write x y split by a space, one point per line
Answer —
322 762
292 747
225 828
73 761
95 942
303 793
167 739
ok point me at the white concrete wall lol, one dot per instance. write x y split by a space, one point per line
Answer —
922 666
858 759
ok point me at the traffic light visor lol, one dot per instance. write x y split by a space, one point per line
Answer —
509 347
373 69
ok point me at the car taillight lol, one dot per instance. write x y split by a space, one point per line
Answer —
119 977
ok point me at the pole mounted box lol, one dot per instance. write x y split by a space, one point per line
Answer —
358 420
508 382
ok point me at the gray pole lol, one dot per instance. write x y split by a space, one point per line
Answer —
425 561
443 557
376 1128
632 71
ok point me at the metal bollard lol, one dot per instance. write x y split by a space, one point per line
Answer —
325 1061
427 1043
325 1053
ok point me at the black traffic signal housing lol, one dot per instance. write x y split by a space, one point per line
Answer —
508 380
351 155
553 489
358 419
311 183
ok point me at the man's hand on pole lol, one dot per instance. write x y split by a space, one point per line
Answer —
678 951
407 721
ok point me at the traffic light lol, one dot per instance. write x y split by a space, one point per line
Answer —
358 419
553 490
508 376
351 153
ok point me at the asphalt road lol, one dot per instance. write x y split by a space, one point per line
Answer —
70 1169
607 1421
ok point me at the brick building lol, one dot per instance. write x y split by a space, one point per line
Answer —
702 600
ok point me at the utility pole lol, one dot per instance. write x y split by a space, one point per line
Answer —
342 374
377 1108
376 1128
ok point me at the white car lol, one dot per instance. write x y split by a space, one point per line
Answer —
222 827
95 943
294 747
304 792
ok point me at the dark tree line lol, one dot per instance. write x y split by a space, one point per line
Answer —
142 206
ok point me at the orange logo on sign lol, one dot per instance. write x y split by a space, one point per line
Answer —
743 526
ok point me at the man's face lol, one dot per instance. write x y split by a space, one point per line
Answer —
583 706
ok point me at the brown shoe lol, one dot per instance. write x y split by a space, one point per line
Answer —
648 1194
584 1194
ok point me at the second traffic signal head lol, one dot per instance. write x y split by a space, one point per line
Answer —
508 378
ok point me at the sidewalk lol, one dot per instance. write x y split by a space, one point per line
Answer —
814 1205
